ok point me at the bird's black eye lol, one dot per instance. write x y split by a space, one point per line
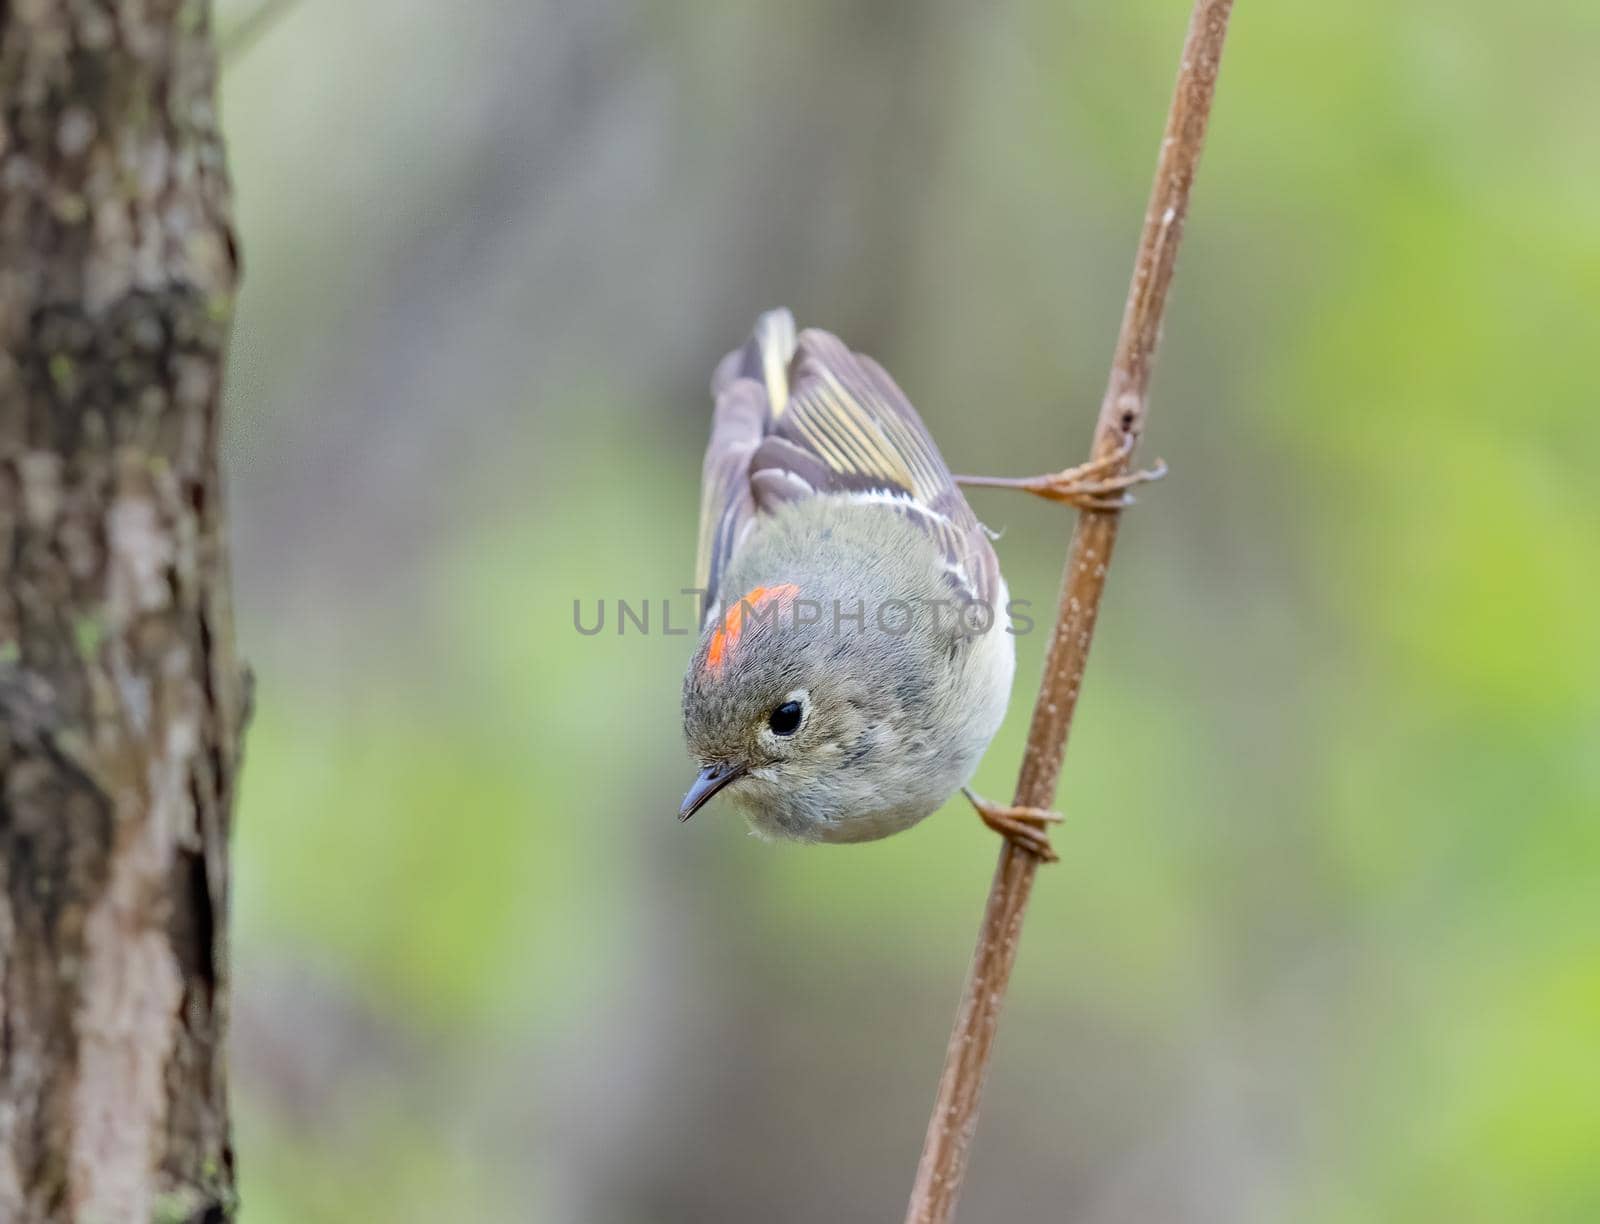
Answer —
785 720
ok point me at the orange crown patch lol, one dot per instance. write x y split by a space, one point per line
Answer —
725 637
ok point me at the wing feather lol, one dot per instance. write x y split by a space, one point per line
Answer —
804 416
750 385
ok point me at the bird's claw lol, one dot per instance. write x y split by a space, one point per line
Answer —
1026 827
1095 485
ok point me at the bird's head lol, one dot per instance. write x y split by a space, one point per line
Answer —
776 701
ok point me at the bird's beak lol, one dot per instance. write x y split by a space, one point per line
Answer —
712 779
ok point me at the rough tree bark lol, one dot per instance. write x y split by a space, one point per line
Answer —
121 701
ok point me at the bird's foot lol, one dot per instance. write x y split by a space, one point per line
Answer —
1096 485
1026 827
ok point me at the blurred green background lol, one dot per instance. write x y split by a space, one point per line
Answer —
1325 942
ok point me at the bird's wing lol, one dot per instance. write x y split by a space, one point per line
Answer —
750 384
805 417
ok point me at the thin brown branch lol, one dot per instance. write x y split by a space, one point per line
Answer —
1122 419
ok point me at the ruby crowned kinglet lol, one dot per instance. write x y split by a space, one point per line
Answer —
856 654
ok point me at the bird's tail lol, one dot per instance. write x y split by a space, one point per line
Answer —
774 340
765 357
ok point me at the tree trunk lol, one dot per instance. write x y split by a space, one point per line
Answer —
121 700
